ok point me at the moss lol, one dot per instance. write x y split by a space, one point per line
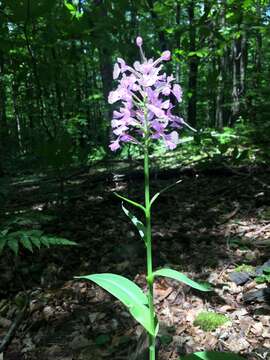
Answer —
245 268
209 321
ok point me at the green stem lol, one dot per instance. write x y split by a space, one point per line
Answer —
150 279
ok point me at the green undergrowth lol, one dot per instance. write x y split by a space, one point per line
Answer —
245 268
210 321
264 278
236 146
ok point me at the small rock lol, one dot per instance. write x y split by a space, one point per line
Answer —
239 278
258 295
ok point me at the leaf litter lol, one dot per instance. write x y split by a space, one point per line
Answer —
204 236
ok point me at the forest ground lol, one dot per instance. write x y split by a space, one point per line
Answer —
205 226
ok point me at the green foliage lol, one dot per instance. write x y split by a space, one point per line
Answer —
56 153
264 278
128 293
245 268
96 154
24 231
209 321
30 219
173 274
211 355
29 239
73 9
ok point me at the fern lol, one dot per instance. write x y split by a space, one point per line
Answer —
29 239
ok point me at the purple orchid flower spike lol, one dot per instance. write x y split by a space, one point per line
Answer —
145 95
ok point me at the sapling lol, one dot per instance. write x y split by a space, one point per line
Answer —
146 114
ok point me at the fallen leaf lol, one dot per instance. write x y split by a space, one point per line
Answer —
237 344
257 329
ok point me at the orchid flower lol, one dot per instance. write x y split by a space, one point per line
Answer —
145 95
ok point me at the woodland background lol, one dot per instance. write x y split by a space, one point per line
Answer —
57 177
56 64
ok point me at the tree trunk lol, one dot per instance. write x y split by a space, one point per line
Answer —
178 41
58 91
15 87
239 51
221 78
39 92
3 99
154 16
193 68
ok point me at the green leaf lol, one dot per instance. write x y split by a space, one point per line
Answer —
266 270
212 355
44 240
3 240
163 190
134 203
139 225
36 241
26 242
69 6
13 245
128 293
183 278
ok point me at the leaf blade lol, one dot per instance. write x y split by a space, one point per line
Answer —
173 274
127 292
139 225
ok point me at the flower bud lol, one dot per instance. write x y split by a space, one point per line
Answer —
139 41
166 55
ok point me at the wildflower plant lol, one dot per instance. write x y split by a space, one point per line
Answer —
146 97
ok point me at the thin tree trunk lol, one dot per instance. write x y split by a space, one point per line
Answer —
221 77
193 67
57 86
3 100
40 101
239 52
178 40
3 115
17 114
154 16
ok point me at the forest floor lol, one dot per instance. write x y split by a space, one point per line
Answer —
206 226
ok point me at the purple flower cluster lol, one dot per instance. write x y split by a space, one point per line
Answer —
146 107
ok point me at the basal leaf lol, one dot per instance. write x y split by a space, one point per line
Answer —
141 313
183 278
128 293
139 225
212 355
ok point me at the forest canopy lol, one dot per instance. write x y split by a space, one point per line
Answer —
57 57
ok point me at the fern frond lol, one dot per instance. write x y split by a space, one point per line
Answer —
29 239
